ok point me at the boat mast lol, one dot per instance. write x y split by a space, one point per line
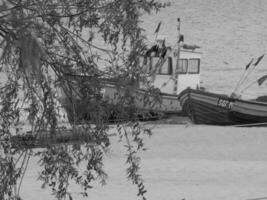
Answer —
175 88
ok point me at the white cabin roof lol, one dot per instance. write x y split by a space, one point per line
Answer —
187 54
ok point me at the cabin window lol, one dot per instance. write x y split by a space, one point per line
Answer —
193 66
146 63
166 68
182 66
150 63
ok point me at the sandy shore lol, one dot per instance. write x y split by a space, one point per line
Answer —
183 161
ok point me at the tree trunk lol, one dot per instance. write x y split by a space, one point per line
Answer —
46 139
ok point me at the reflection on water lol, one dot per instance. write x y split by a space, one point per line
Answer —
230 33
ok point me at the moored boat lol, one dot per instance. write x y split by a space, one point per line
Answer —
169 71
218 109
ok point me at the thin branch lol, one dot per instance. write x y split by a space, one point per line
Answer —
9 9
24 172
19 158
88 43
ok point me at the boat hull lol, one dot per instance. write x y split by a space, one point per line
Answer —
216 109
140 104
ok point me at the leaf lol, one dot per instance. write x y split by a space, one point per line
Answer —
3 7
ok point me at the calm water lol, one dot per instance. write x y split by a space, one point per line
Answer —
230 33
199 162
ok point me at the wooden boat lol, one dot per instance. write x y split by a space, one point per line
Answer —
168 73
137 102
163 102
218 109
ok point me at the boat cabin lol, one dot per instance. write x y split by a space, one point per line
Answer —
171 76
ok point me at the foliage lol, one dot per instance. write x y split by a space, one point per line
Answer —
44 44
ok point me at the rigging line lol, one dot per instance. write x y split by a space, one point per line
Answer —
252 69
243 76
247 86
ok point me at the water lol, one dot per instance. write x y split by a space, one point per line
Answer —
195 163
198 162
230 33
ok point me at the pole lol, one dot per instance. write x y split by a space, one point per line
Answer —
175 88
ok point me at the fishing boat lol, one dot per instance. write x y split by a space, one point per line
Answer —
169 71
219 109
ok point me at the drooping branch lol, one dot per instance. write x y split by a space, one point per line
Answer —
70 58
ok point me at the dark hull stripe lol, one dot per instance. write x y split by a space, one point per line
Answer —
247 118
